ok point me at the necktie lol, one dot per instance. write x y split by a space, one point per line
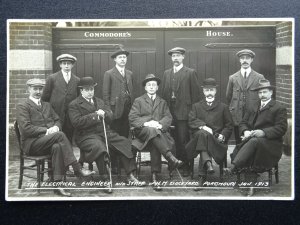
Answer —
152 99
67 77
209 103
245 75
122 72
175 70
91 102
262 105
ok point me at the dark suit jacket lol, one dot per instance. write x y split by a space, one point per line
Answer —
272 119
218 118
187 91
59 93
88 127
143 111
34 121
237 97
112 90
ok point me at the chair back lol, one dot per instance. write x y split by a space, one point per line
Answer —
18 135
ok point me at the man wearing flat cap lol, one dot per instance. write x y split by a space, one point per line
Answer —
86 114
150 117
262 128
211 126
61 89
239 93
40 130
180 88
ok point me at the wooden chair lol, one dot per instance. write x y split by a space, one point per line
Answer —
273 171
139 161
39 165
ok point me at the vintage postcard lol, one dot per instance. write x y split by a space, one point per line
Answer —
150 109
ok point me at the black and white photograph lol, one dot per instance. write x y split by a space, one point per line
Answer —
146 109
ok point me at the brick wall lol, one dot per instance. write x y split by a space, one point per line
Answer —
30 36
284 76
30 56
284 65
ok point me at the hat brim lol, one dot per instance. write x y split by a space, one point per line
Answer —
87 85
209 86
150 79
114 55
170 53
268 87
36 85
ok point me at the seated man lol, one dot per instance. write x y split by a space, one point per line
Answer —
211 125
151 118
262 129
86 113
41 134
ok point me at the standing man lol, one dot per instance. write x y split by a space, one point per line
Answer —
239 93
40 130
61 89
117 92
211 125
180 88
86 114
151 118
262 128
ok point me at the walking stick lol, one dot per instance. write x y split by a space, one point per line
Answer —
107 150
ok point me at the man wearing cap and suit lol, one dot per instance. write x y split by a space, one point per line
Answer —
40 130
61 89
262 128
239 93
117 92
86 114
180 88
211 125
150 117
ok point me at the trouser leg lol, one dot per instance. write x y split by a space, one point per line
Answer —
245 156
203 159
155 160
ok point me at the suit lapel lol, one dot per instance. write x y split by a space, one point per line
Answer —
156 102
86 105
251 79
35 106
239 79
117 74
184 73
72 82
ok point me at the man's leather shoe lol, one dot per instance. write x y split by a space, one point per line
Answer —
84 173
132 181
209 168
201 181
173 161
62 192
155 183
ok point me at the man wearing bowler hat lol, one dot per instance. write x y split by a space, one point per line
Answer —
40 130
211 126
117 92
86 114
180 88
262 128
150 117
239 93
61 89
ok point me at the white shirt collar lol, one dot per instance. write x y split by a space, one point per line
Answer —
35 100
248 70
120 69
266 102
65 76
177 67
152 96
88 99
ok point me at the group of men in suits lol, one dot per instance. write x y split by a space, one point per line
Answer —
201 127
